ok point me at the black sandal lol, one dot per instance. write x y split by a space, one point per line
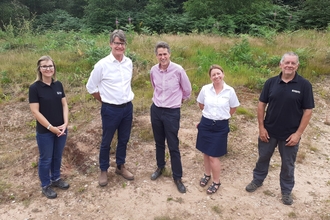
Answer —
203 182
213 188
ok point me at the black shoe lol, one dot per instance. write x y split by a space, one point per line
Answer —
60 184
49 192
180 186
157 173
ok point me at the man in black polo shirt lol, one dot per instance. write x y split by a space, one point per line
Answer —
289 100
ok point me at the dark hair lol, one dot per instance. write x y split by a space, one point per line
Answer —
215 66
118 33
162 44
39 74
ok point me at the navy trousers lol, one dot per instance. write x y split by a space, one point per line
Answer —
120 119
165 125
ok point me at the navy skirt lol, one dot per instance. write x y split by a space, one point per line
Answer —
212 137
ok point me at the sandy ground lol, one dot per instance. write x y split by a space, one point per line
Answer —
21 197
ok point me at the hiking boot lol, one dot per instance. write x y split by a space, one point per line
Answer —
60 184
287 199
49 192
251 187
124 172
103 178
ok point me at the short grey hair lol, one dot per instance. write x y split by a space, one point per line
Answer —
290 54
162 44
118 33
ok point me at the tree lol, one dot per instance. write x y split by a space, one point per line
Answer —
102 15
315 14
12 12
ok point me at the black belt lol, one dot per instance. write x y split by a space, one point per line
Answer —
117 106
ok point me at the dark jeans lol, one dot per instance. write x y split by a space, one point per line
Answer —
288 157
165 125
120 119
50 156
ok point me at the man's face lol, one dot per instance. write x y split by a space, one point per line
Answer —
118 47
289 65
163 57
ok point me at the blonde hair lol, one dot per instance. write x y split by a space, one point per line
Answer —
39 74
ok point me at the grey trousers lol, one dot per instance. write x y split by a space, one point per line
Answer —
288 156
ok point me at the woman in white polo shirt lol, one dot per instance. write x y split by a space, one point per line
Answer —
218 102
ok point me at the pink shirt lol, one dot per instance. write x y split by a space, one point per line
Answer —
171 86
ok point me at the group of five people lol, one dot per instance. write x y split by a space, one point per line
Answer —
288 97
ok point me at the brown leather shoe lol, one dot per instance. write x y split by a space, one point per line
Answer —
103 178
124 172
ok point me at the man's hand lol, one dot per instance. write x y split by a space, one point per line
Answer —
263 135
293 140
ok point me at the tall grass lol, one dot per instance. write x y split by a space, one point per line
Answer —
247 61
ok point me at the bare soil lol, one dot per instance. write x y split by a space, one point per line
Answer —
21 197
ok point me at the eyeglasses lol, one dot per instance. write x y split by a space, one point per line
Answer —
120 43
47 67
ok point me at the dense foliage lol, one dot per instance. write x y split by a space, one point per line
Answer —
255 17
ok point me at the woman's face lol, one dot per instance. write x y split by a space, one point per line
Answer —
47 68
216 75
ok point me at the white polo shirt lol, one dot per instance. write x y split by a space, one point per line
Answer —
217 106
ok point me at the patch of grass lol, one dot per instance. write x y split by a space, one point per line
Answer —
3 191
167 172
314 149
124 184
34 164
269 193
216 209
145 134
247 113
301 156
233 127
163 218
292 215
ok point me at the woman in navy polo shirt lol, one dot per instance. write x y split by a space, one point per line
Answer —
49 106
218 102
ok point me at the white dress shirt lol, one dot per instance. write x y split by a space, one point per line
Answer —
112 79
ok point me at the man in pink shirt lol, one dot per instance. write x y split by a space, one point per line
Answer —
171 87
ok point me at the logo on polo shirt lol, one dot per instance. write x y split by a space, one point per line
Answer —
295 91
59 93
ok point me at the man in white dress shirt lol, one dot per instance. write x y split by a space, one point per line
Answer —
110 83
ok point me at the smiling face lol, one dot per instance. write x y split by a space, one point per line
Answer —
216 75
47 69
118 48
163 57
289 65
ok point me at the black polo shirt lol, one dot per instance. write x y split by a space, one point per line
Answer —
286 102
50 102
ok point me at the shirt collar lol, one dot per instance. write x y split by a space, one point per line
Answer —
279 78
113 59
168 68
225 86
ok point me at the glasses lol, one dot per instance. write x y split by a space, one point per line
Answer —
47 67
120 43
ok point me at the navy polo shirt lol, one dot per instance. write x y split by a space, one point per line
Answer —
286 102
50 102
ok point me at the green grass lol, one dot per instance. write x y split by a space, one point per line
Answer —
246 61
